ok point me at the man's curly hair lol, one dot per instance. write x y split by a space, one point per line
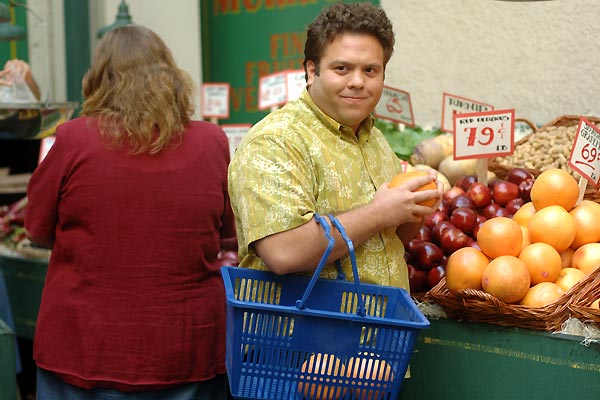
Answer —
354 18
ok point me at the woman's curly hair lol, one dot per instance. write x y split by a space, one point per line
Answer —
136 91
354 18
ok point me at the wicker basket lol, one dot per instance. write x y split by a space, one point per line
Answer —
479 306
501 170
581 301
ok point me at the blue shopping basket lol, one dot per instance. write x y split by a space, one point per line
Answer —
301 337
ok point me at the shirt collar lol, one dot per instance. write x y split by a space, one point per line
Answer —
364 131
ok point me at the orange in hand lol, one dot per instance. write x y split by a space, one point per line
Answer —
406 176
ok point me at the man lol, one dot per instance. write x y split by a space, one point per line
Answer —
322 154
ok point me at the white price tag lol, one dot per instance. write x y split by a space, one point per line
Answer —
272 90
395 106
453 105
487 134
296 82
585 155
235 133
215 100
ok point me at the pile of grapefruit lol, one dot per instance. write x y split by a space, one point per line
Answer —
549 245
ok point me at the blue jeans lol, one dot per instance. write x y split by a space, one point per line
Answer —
51 387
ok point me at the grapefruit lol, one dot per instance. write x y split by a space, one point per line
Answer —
541 295
542 261
568 278
464 269
554 187
506 278
552 225
587 224
587 257
500 236
524 213
323 364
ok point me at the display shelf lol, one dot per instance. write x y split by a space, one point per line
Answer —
464 360
33 120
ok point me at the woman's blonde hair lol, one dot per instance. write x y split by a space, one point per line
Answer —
136 91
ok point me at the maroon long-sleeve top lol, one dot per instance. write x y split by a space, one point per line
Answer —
133 297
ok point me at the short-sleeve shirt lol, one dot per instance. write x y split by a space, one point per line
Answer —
297 161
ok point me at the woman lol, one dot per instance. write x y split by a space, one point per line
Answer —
133 200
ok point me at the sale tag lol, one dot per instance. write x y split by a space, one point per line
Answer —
585 155
235 133
395 106
215 100
296 82
272 90
45 146
453 104
486 134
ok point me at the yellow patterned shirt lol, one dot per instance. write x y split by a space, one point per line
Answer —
297 161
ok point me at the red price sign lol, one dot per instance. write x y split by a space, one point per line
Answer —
486 134
215 100
272 90
395 106
585 155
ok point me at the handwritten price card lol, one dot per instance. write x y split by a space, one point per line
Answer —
215 100
395 106
296 82
585 155
272 90
484 135
453 104
235 133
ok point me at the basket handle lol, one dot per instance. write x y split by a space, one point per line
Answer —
300 304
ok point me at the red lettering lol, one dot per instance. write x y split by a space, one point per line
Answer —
263 68
226 7
251 99
252 5
250 72
236 98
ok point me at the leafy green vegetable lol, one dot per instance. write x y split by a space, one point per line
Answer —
404 141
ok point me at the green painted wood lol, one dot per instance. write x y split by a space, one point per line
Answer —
24 282
8 377
462 360
15 48
77 47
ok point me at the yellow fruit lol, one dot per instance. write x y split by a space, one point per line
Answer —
406 176
506 278
464 269
552 225
500 236
587 224
554 187
568 278
541 295
587 257
323 364
524 213
542 261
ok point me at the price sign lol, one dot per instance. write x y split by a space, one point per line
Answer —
215 100
395 106
296 82
585 155
235 133
272 90
453 104
487 134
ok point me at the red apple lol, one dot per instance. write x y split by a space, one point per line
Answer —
417 279
410 246
517 175
525 190
453 239
465 182
452 193
502 212
464 218
426 255
504 191
513 205
435 275
480 194
489 211
436 232
424 234
435 218
462 200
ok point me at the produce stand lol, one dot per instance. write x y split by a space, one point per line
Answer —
24 281
464 360
8 382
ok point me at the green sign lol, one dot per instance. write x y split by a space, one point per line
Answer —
243 40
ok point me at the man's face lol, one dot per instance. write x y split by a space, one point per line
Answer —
350 81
